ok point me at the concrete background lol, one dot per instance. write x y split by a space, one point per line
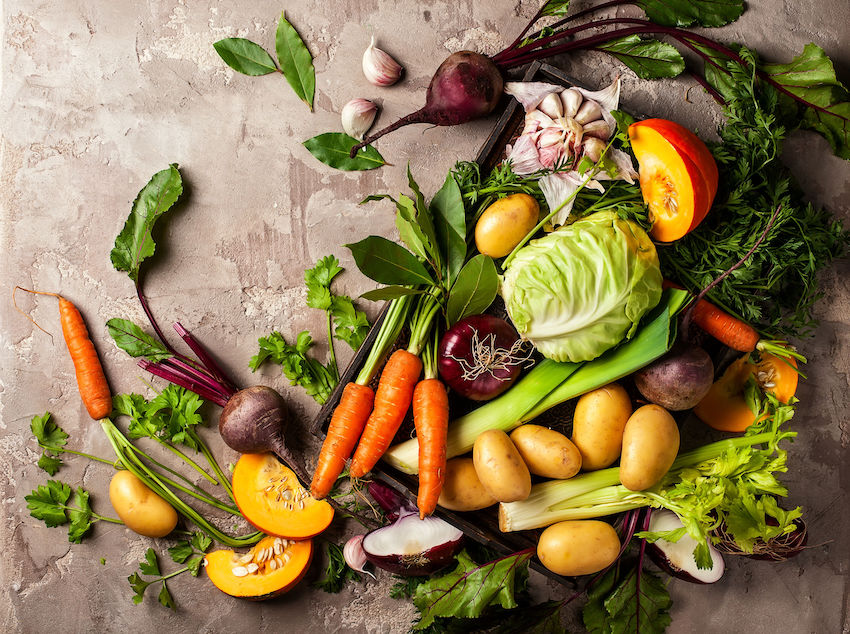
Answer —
98 95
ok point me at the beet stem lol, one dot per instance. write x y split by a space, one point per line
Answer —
206 360
420 116
183 381
196 375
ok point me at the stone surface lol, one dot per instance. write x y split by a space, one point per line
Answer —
98 95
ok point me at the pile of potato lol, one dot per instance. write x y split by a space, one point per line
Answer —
605 429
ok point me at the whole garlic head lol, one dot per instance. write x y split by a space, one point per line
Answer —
379 67
358 115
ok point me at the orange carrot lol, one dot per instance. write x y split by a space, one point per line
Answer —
91 381
344 430
392 400
431 417
727 329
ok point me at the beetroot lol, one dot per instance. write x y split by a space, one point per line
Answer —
678 380
466 86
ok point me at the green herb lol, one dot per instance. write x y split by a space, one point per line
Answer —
775 289
627 599
647 57
296 63
334 149
450 226
295 60
135 242
351 324
51 438
301 369
405 587
556 8
388 263
189 552
56 505
337 572
471 588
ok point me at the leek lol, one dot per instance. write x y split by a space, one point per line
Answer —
551 383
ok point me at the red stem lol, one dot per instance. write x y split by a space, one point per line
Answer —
183 381
206 360
198 376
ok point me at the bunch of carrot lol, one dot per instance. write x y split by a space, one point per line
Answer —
373 418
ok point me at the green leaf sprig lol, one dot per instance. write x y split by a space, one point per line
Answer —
189 552
56 505
296 62
52 440
334 149
337 572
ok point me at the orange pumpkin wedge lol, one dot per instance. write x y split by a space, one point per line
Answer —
724 407
678 176
272 567
271 498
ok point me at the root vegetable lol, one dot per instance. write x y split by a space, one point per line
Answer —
650 445
547 452
579 547
500 467
462 489
142 510
598 424
678 380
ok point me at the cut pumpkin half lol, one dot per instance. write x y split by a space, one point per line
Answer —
678 176
272 567
272 499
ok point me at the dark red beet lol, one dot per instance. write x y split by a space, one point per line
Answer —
466 86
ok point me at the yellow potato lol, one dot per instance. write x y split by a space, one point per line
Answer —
500 467
142 510
546 452
598 424
650 445
462 490
578 547
505 223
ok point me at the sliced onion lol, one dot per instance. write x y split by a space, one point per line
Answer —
677 558
411 546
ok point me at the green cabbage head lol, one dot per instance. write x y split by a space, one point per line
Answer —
583 288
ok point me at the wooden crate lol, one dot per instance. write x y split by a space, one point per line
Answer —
482 526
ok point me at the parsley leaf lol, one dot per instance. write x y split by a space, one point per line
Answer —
55 505
150 566
165 597
297 366
338 572
318 281
352 325
49 437
80 517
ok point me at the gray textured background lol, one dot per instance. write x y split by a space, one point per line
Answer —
97 95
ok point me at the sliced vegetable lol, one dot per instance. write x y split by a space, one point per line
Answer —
271 498
678 176
676 558
270 568
725 406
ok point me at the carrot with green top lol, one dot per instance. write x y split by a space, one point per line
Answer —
395 390
355 405
431 419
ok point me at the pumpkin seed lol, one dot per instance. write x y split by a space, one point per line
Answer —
246 558
240 571
273 564
287 494
252 568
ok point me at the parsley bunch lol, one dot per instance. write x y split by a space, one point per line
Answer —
344 322
188 551
55 504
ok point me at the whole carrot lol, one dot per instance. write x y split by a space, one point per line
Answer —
392 400
91 381
431 418
347 423
724 327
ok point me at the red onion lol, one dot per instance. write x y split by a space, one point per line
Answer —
411 546
481 356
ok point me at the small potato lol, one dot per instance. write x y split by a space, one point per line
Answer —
546 452
462 490
598 424
500 467
505 223
650 445
578 547
142 510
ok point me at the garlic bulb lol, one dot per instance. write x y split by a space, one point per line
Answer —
380 69
355 556
358 115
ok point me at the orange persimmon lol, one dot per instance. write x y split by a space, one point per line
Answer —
272 499
272 567
678 176
724 407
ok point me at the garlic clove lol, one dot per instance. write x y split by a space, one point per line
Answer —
550 136
589 111
355 556
357 116
379 67
599 129
593 148
571 100
551 105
